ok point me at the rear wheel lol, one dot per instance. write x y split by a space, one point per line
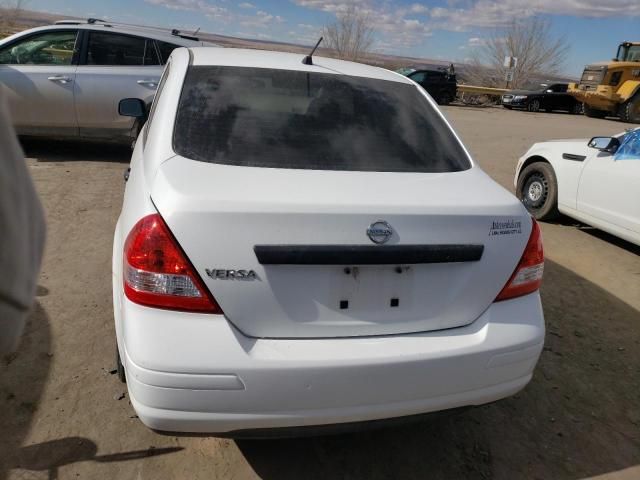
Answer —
577 109
508 107
630 110
538 190
444 98
594 112
534 105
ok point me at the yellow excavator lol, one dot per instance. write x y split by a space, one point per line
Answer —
612 88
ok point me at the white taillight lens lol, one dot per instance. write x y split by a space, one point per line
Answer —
161 283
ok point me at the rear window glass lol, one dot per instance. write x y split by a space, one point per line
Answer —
290 119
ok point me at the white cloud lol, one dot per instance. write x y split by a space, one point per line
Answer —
396 25
200 6
495 13
462 15
261 19
418 8
475 42
331 5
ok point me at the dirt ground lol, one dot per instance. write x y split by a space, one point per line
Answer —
63 414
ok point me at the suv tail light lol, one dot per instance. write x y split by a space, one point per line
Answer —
158 274
528 274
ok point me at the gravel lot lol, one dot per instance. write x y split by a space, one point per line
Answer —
63 414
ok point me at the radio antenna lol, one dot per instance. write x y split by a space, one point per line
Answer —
308 60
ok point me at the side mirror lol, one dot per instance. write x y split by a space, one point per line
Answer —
132 107
605 144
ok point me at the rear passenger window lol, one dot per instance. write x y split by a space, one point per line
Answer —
165 50
115 49
151 54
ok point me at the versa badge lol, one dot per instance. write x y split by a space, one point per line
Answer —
220 274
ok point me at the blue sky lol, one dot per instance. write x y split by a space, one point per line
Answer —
436 29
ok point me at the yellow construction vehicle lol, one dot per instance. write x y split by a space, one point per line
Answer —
612 88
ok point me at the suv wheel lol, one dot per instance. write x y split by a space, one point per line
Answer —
594 112
578 108
630 110
534 105
538 190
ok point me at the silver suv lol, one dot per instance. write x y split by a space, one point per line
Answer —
66 80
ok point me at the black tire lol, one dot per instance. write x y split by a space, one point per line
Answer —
630 110
120 367
577 109
444 98
537 189
534 105
594 112
508 107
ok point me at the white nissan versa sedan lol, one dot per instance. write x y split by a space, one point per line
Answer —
308 243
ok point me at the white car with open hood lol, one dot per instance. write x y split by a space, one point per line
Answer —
309 243
595 181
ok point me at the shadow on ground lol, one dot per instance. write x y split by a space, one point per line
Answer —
600 234
49 456
579 417
23 376
46 150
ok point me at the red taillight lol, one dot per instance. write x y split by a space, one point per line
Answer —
158 274
528 274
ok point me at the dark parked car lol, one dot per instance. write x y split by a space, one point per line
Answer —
440 82
542 97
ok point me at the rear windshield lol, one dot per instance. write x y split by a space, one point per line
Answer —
290 119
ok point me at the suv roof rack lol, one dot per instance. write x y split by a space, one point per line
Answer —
177 33
90 21
96 21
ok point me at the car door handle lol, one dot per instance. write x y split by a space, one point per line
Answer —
151 83
60 78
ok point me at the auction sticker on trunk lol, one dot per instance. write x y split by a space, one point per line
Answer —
505 227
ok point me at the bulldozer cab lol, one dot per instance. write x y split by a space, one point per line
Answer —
628 52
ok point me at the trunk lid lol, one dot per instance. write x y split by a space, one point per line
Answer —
220 214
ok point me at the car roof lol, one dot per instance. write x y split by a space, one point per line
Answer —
238 57
141 31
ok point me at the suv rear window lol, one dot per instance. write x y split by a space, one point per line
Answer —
290 119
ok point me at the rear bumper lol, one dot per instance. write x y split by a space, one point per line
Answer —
196 373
